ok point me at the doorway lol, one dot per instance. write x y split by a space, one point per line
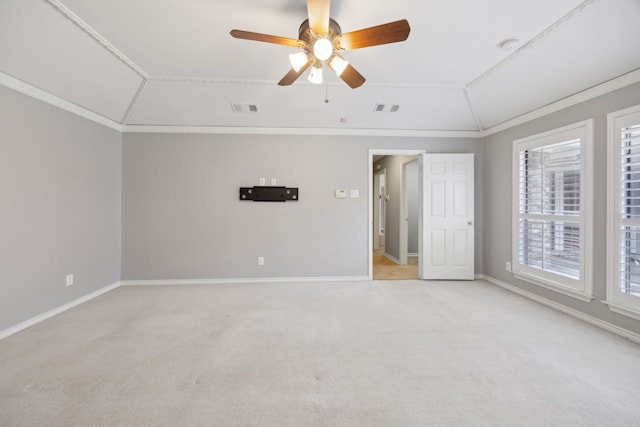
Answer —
390 257
446 213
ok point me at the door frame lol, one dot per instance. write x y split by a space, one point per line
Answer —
382 152
377 206
404 213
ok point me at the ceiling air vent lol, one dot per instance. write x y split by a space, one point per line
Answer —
244 108
383 108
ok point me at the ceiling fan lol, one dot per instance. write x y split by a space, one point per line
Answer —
321 38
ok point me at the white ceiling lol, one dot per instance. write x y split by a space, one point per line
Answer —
173 62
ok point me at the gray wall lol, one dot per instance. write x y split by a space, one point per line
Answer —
497 151
182 218
60 192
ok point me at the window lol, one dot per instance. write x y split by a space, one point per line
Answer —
623 251
552 209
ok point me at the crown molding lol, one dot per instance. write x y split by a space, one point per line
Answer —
599 90
97 37
228 130
474 113
187 79
533 42
44 96
586 95
134 101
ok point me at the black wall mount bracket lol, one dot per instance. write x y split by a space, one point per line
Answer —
268 194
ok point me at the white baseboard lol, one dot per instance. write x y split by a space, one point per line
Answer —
624 333
49 314
392 258
173 282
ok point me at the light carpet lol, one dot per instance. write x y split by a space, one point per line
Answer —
375 353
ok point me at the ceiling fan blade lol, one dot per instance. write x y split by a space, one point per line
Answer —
259 37
318 11
391 32
293 75
352 77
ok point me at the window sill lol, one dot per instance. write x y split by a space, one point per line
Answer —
616 307
573 293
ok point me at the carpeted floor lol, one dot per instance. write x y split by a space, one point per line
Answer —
375 353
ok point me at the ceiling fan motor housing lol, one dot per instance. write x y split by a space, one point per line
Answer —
306 34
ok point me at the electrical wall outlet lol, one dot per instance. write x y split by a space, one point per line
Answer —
260 260
263 181
273 181
69 279
508 266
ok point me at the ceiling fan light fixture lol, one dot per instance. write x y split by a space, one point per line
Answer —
338 64
298 60
315 76
320 37
322 48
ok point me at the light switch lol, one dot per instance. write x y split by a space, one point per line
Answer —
341 194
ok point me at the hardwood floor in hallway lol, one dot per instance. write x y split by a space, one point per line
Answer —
386 269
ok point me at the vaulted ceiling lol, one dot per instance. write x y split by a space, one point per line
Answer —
173 62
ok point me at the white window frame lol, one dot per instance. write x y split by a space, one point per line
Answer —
581 288
619 302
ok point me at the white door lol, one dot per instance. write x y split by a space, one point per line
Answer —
376 211
446 229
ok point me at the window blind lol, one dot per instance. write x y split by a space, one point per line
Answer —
549 208
629 210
